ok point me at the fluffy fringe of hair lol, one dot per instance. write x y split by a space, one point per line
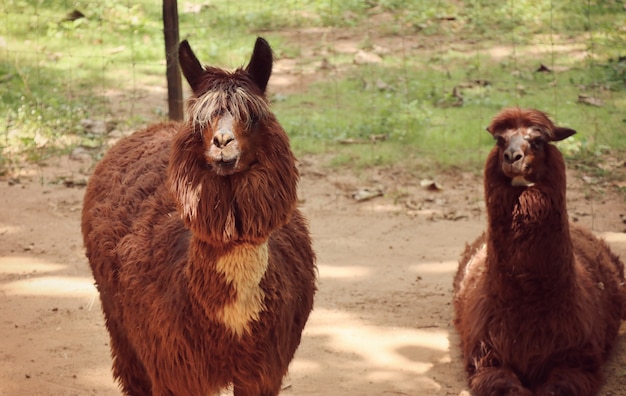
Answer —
238 102
516 117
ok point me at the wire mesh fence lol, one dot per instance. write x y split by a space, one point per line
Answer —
426 75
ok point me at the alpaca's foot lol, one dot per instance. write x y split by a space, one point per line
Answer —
495 381
570 382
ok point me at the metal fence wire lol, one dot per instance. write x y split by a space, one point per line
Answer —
73 68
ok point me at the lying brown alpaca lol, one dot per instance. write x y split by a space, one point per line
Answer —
538 300
203 262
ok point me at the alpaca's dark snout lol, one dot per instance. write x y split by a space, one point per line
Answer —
515 150
511 155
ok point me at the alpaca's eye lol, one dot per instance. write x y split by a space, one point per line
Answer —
499 141
536 144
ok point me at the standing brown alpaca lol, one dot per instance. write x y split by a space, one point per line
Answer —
538 300
203 262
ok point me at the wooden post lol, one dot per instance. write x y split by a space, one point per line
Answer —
174 83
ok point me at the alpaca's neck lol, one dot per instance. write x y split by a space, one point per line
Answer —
225 282
529 246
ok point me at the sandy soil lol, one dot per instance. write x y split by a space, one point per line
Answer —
382 318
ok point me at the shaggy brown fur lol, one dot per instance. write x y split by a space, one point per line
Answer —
538 300
204 264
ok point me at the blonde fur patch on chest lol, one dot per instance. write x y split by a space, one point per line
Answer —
475 267
243 268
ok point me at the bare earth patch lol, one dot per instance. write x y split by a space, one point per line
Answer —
382 318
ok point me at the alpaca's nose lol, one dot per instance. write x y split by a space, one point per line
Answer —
221 139
512 155
223 133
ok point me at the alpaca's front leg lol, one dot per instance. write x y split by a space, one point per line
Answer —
497 381
564 381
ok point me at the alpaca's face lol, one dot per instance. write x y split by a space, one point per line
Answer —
228 145
521 154
222 149
522 137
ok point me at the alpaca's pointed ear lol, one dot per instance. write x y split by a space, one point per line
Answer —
560 133
260 66
189 64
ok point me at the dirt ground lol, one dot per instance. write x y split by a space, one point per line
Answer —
382 318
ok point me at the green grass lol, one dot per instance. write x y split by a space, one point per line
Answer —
418 112
55 72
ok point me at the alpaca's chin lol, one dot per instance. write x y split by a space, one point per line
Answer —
224 168
520 181
518 177
223 171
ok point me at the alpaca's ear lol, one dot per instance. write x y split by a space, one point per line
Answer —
189 64
560 133
260 66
